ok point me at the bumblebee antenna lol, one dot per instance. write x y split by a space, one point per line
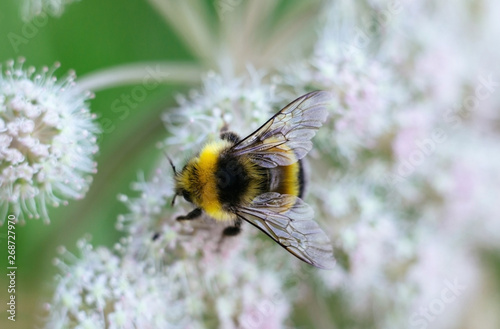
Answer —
175 173
172 164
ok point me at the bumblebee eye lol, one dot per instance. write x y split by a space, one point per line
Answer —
186 196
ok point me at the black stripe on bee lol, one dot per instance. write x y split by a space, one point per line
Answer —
232 179
230 136
302 181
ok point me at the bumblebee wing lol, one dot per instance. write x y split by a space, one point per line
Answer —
286 137
288 220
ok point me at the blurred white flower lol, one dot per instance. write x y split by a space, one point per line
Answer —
443 278
469 190
47 141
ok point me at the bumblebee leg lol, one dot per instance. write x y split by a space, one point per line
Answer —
229 136
195 213
233 230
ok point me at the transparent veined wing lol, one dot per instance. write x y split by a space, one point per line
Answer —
286 137
289 221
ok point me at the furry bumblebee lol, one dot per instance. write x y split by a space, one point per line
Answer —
260 179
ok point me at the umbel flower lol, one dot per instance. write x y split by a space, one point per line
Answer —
47 141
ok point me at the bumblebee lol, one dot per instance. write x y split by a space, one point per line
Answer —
260 179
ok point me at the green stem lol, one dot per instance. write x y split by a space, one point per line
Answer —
140 73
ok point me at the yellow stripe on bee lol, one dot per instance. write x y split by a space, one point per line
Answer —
290 180
289 183
207 166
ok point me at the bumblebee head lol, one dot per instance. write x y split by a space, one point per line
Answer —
186 182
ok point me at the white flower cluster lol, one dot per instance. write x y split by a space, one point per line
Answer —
103 289
100 282
47 141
